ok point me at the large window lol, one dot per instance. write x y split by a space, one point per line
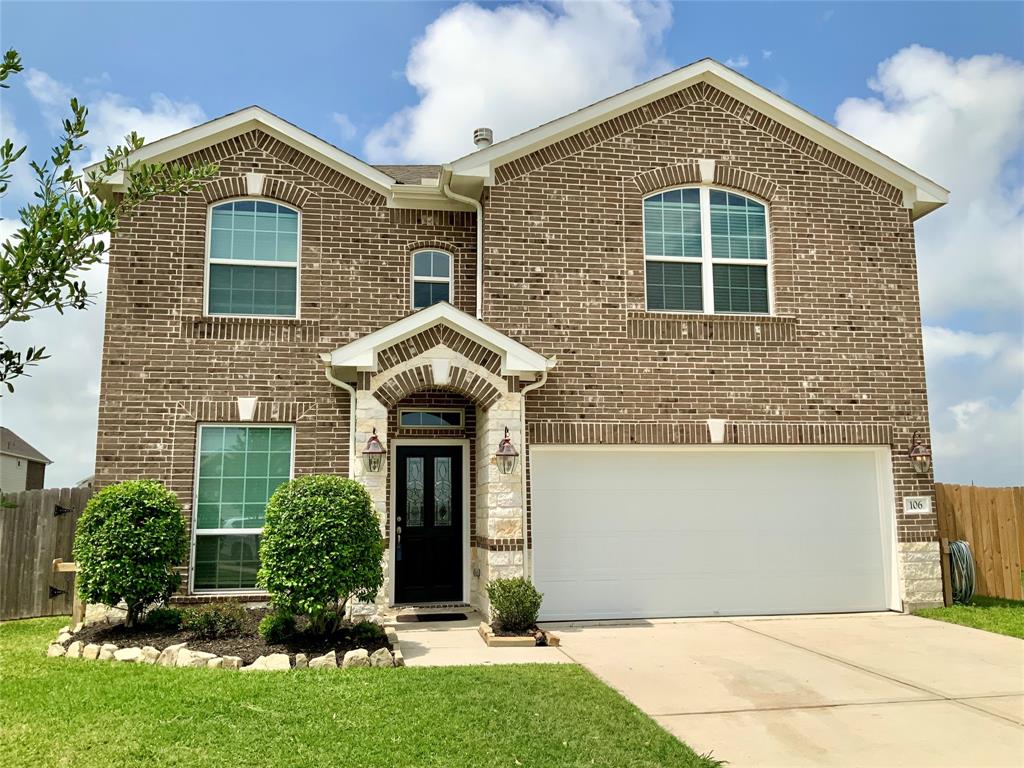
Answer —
431 278
239 468
706 250
253 259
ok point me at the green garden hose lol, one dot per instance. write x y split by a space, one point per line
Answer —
961 570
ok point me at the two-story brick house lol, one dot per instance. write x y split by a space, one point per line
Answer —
693 306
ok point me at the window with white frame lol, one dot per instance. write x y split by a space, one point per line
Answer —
706 250
430 419
431 278
253 259
238 469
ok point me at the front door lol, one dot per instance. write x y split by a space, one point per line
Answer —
428 524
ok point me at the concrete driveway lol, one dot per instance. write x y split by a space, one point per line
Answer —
853 690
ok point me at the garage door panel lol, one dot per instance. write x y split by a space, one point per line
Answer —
644 533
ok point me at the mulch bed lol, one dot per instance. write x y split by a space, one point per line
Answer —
248 645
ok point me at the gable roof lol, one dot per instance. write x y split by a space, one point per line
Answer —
921 194
13 445
361 354
420 186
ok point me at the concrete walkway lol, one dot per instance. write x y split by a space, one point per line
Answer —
856 690
449 644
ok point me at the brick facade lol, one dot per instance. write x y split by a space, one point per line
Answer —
839 362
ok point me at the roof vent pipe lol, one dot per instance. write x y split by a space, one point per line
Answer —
483 137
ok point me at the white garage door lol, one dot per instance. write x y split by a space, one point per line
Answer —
641 533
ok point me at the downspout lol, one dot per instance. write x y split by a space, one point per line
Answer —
446 176
351 415
522 420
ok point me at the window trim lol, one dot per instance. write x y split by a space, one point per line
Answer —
706 260
413 278
446 427
252 263
194 522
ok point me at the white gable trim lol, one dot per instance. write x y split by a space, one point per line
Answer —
237 123
361 355
920 193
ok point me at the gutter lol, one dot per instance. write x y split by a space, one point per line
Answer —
351 414
522 420
446 175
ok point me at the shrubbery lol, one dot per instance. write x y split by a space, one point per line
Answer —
321 547
214 620
163 619
515 604
277 627
128 541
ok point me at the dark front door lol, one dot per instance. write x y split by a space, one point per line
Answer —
428 524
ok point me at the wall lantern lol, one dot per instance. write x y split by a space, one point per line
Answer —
373 453
507 455
920 455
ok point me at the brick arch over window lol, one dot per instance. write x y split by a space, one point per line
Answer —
478 386
729 175
272 188
437 245
668 176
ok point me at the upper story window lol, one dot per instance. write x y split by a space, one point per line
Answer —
253 259
431 278
706 250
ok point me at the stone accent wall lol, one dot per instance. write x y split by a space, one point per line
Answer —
920 574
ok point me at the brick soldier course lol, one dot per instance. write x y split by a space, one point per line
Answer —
838 362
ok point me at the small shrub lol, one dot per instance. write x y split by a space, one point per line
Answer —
515 604
214 620
365 631
163 619
277 627
127 543
321 547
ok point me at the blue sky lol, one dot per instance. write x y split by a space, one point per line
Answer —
939 86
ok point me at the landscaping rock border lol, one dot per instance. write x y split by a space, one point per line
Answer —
539 637
180 655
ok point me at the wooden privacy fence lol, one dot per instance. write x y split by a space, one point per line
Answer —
36 527
991 520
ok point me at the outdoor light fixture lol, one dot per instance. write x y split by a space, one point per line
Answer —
373 453
507 455
920 455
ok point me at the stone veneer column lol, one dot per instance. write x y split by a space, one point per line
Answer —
371 414
499 498
920 574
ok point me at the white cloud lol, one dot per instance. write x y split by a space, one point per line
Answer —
514 67
738 62
961 122
346 128
20 185
112 116
979 441
942 345
766 54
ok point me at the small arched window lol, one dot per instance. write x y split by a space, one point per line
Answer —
431 278
253 262
706 250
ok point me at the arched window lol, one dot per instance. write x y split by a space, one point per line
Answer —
706 250
252 268
431 278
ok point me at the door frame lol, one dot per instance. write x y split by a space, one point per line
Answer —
883 475
462 443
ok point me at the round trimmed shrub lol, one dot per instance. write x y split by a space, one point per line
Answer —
127 543
515 604
321 547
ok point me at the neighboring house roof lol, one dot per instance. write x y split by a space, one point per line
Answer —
13 445
420 186
361 354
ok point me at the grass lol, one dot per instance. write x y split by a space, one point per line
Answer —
993 614
64 712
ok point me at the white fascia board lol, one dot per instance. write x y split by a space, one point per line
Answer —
424 197
361 354
237 123
920 193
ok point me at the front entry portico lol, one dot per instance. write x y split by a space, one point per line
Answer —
450 518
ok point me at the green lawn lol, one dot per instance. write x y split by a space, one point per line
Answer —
70 712
989 613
